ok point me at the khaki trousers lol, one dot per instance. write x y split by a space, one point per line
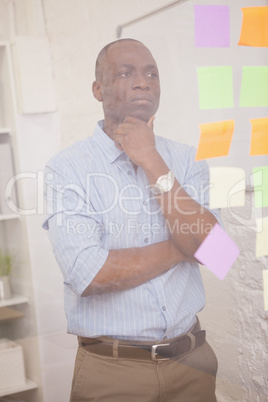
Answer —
100 378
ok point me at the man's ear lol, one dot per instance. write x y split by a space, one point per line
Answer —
97 90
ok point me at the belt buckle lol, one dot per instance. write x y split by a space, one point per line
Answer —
154 352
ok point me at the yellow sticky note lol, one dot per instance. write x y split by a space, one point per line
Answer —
259 136
254 31
265 288
262 237
215 139
227 187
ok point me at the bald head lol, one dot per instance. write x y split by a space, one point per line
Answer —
101 59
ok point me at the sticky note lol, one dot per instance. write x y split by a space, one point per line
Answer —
262 237
265 288
227 187
254 31
217 252
254 87
260 178
215 139
215 86
212 26
259 136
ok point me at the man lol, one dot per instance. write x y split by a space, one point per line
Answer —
127 211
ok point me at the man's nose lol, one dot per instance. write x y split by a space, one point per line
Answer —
140 82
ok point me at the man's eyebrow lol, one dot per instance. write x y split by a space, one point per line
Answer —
131 66
151 67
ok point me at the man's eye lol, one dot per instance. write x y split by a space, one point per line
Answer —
124 74
152 75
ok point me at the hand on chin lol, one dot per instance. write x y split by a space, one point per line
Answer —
141 115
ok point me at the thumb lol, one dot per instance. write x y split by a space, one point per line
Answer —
150 122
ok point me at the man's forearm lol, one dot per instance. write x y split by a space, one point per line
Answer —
130 267
181 212
179 209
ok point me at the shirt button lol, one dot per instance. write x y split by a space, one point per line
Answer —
129 172
164 308
146 240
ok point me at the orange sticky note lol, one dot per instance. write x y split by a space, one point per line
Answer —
215 139
259 136
254 31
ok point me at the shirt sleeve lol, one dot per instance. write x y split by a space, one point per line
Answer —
197 183
74 228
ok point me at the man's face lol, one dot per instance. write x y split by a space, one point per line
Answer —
130 82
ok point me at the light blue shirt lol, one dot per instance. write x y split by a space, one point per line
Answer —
96 202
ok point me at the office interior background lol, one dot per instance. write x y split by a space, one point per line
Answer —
48 50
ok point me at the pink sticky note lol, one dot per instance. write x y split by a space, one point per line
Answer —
212 26
218 252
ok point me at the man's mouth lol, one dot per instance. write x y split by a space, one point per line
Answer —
141 100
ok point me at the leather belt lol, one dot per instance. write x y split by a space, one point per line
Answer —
160 350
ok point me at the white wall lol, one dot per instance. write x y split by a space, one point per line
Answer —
234 317
38 139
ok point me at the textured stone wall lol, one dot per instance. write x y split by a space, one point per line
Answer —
234 317
250 319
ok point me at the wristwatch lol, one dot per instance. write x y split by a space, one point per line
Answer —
164 184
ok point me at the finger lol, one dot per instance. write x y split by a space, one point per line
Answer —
118 145
131 119
125 129
119 138
150 122
125 126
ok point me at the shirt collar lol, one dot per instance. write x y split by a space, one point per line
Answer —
105 143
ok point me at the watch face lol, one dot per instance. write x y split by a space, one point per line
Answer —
166 184
163 184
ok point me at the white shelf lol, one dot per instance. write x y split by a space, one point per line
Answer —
14 236
14 300
8 217
13 390
5 130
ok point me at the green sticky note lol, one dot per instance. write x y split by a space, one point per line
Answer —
215 87
260 177
254 88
